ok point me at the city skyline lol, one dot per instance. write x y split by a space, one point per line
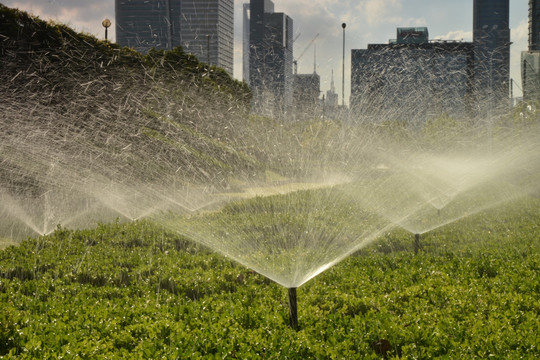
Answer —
368 21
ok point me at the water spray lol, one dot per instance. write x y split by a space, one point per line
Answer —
293 313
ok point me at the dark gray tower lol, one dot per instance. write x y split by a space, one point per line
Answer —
491 38
204 28
530 60
270 58
245 43
207 29
534 24
145 24
257 44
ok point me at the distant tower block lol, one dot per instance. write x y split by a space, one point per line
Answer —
203 28
491 38
530 60
534 24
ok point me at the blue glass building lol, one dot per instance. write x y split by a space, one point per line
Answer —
146 24
491 38
203 28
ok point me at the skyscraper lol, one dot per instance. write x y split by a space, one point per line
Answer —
245 43
530 60
534 24
270 58
204 28
411 79
207 31
147 24
491 38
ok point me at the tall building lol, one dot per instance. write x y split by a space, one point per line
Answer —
491 38
306 91
245 43
147 24
411 79
207 31
530 60
534 24
204 28
330 102
270 58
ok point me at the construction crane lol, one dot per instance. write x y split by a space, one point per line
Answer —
295 62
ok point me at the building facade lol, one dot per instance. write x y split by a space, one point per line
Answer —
306 91
534 25
146 24
530 60
411 79
270 59
330 101
207 31
491 38
204 28
245 42
530 75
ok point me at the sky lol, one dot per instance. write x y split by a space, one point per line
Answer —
368 21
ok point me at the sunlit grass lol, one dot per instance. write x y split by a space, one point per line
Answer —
4 243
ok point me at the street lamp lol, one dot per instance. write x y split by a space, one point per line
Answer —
343 68
106 24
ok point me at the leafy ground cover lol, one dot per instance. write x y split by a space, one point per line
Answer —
135 291
5 243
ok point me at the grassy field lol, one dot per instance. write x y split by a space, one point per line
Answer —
133 291
4 243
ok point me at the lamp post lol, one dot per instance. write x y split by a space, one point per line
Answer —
106 24
343 69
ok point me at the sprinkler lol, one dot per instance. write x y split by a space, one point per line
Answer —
293 314
416 243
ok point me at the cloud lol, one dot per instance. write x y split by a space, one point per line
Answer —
458 35
81 15
380 11
521 32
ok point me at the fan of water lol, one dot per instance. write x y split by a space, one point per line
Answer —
90 133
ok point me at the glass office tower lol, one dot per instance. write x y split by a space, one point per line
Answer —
147 24
207 31
270 58
204 28
491 37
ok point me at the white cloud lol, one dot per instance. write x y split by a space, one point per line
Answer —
380 11
458 35
521 32
84 16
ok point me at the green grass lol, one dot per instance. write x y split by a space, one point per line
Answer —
4 243
133 291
